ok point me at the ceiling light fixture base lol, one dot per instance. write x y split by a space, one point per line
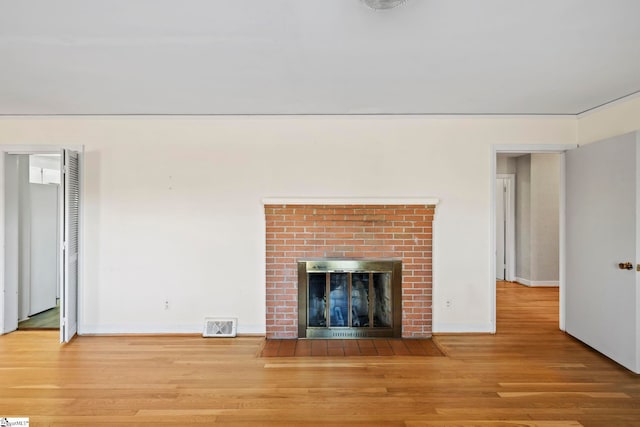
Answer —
383 4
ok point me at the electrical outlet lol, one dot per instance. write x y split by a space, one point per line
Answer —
166 304
448 303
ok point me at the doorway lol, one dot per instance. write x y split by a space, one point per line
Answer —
515 151
37 181
505 227
40 195
32 238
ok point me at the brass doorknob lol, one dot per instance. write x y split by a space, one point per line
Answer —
625 266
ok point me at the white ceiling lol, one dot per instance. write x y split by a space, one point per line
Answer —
316 56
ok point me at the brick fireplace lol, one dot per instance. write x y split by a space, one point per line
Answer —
295 230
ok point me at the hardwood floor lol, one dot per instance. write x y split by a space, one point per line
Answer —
49 319
529 374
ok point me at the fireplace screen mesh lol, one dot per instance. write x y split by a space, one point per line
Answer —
349 298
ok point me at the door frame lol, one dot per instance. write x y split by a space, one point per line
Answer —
527 149
6 149
510 226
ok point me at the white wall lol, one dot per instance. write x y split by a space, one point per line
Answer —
505 164
523 218
173 205
24 238
545 215
537 219
611 120
11 269
43 247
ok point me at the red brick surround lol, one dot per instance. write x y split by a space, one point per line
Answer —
297 231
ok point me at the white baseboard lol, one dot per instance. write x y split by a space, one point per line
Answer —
161 329
538 283
461 328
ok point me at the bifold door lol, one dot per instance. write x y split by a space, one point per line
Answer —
70 214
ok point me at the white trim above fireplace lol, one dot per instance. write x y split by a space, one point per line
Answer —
349 201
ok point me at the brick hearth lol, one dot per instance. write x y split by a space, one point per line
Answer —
296 231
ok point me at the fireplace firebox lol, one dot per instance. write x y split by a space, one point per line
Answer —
349 298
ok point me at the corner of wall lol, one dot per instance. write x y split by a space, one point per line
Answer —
615 118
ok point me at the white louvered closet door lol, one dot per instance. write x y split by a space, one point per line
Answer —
70 225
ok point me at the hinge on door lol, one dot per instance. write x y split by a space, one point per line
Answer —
64 321
64 246
65 169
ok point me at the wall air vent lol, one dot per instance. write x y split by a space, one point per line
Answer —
220 327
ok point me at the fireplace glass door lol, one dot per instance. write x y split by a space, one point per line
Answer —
350 299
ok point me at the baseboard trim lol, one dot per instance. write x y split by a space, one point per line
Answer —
246 330
462 328
538 283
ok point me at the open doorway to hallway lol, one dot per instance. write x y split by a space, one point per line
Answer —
68 239
32 237
527 222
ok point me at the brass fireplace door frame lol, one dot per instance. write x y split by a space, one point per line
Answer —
392 266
